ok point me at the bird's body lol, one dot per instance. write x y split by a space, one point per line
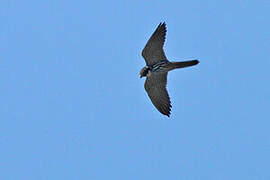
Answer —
164 66
157 68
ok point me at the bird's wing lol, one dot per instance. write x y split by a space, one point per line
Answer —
153 51
155 86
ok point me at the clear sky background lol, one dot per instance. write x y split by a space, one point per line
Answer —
73 105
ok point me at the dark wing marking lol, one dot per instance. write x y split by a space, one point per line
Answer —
153 51
155 86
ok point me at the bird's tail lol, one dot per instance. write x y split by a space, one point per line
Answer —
183 64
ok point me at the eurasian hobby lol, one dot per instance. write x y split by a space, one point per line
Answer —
157 68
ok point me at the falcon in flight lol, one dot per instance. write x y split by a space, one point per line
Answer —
157 68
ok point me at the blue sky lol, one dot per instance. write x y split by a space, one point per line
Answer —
73 105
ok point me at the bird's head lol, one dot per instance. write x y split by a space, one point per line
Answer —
144 71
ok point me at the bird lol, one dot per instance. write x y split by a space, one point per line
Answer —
157 68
